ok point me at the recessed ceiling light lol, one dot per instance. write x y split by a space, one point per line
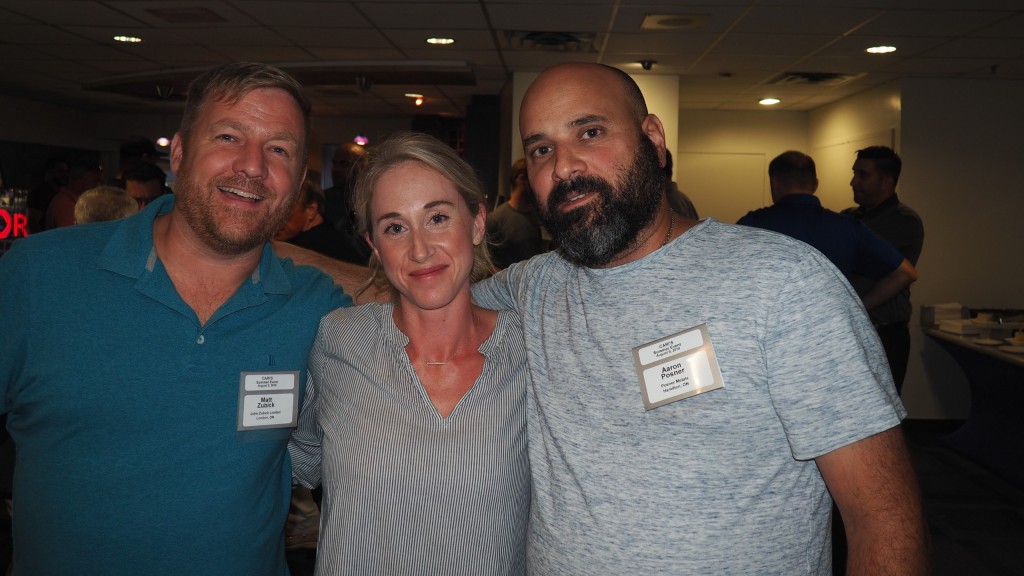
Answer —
769 101
880 49
163 141
441 41
413 95
128 39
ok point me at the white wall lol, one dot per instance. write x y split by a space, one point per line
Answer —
963 173
959 140
722 157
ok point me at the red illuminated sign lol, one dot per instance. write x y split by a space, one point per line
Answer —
12 224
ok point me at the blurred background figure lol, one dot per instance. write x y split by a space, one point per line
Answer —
679 203
104 203
306 227
144 182
348 160
84 173
55 176
514 230
849 245
876 171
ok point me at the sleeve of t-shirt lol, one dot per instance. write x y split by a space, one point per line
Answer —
498 291
828 376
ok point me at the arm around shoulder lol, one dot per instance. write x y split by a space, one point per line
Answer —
349 276
876 491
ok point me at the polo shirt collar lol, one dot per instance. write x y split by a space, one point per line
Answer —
130 251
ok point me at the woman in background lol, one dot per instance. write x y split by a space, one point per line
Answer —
414 418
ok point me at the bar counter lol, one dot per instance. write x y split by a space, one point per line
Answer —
993 433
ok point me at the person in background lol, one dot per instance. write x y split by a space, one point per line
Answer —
415 420
104 203
700 391
513 228
848 244
83 174
679 203
144 182
152 367
306 226
876 172
348 160
55 176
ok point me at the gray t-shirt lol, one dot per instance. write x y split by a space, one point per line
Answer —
406 491
719 483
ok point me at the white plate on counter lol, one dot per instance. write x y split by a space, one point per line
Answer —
987 342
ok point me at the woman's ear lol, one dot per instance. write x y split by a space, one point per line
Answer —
480 224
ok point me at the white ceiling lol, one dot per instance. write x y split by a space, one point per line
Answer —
734 53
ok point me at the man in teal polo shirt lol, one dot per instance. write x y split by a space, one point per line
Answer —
152 367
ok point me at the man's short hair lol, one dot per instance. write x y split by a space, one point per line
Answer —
794 169
104 203
886 160
231 82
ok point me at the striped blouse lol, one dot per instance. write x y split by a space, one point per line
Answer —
405 490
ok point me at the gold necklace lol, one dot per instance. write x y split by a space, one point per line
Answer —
671 225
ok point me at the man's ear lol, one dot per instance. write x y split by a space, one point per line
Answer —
176 152
653 129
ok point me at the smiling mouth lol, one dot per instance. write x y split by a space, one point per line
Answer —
240 193
427 271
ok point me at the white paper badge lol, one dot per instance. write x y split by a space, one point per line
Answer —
677 367
268 400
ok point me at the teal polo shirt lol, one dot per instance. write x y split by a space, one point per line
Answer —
125 410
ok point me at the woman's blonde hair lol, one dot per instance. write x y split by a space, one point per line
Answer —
436 155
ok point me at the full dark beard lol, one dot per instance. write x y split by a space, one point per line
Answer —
593 235
213 229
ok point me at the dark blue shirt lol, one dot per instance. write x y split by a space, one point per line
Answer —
849 244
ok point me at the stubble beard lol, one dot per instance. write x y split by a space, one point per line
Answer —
593 235
226 232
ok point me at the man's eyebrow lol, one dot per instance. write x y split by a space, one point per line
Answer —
588 119
581 121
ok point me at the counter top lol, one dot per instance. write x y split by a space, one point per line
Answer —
967 341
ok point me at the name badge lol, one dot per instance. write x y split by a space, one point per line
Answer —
677 367
268 400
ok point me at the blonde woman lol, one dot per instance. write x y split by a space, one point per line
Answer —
415 419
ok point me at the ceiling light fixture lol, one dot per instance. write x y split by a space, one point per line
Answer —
880 49
769 101
441 41
417 99
128 39
163 142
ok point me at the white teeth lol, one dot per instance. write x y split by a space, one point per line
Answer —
577 197
241 193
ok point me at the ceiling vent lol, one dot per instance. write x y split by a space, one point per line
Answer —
674 21
575 42
812 78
